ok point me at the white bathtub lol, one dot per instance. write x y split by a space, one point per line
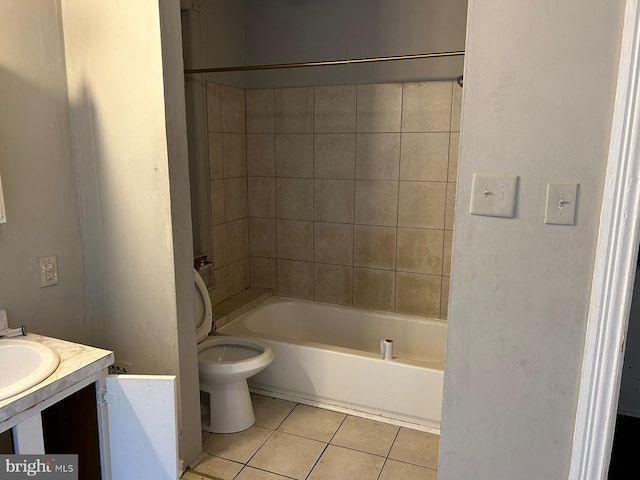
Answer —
330 356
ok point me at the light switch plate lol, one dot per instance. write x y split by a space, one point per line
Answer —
493 195
561 204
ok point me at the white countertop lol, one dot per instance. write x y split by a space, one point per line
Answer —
77 362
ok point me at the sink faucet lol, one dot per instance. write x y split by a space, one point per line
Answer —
5 331
13 332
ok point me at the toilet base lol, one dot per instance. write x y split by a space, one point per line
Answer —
230 407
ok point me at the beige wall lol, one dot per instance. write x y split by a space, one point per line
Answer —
38 179
349 192
539 87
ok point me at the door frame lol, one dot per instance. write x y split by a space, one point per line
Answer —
614 270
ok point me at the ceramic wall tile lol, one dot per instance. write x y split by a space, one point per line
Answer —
264 273
444 299
238 239
333 201
333 284
261 155
295 240
425 157
450 206
418 294
220 245
262 237
294 198
358 179
374 247
376 203
262 196
214 107
293 110
374 289
377 156
295 279
216 169
454 147
379 107
422 204
294 155
456 109
426 106
216 194
335 109
260 111
446 254
420 250
235 198
239 276
333 243
234 154
233 109
334 155
220 291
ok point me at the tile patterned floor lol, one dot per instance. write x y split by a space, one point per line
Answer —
295 441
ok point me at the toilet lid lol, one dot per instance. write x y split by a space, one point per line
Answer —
203 315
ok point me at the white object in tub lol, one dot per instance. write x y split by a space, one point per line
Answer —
331 355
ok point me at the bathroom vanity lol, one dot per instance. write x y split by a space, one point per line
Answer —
80 409
81 369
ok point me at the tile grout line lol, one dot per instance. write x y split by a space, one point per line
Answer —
395 269
275 190
353 223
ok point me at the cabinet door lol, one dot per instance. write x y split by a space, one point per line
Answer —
142 424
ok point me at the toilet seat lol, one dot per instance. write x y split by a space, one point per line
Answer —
231 356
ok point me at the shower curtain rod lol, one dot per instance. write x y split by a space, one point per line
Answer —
323 63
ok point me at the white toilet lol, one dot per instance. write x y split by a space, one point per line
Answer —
224 364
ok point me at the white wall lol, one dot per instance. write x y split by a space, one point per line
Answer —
36 166
124 67
539 88
177 149
281 31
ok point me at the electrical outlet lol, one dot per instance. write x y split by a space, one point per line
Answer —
48 271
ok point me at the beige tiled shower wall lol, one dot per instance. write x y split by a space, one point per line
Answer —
227 140
350 192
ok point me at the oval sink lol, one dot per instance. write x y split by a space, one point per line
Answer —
23 364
